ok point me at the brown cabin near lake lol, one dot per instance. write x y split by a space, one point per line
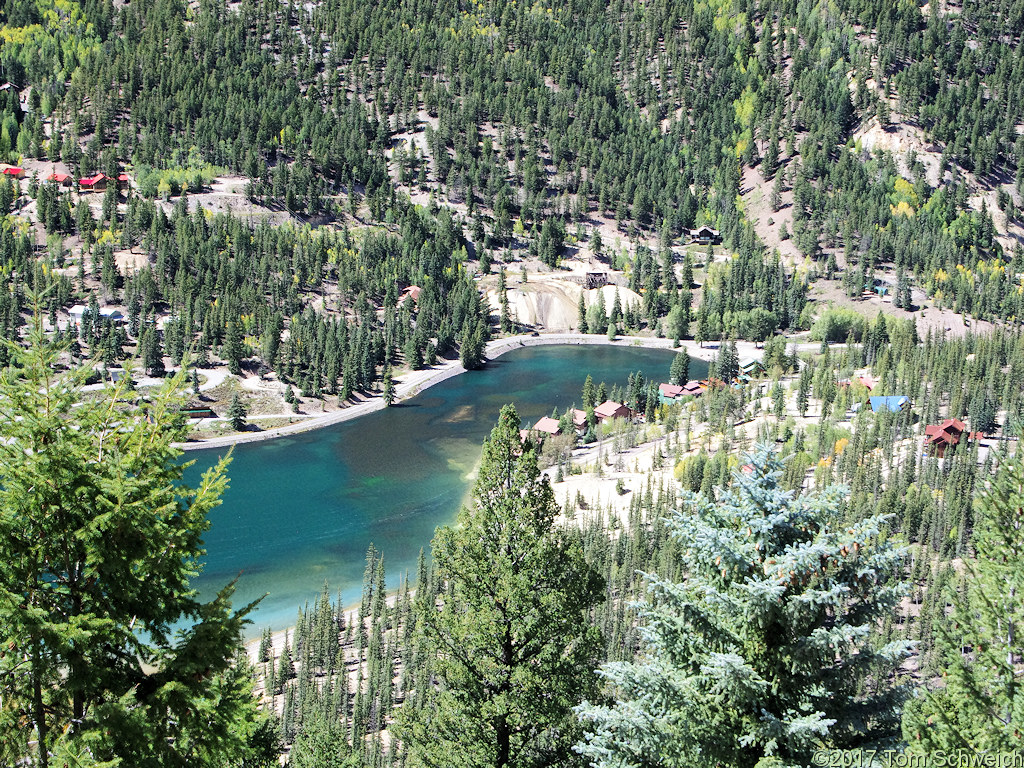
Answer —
609 409
548 426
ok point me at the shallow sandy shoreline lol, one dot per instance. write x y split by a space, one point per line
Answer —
415 382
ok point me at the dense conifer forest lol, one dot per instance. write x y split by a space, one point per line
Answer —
323 194
536 117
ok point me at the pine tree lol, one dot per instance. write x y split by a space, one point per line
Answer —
767 650
151 352
98 541
232 351
471 351
506 317
285 668
727 365
514 651
322 742
775 198
980 707
803 392
414 352
679 372
778 401
389 387
236 413
703 332
589 392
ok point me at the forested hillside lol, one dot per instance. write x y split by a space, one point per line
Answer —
536 124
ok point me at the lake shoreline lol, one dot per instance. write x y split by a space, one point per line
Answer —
415 382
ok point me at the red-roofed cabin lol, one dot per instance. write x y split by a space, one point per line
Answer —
97 183
952 425
13 171
693 389
579 420
938 438
609 409
867 381
548 426
122 180
670 391
412 292
63 179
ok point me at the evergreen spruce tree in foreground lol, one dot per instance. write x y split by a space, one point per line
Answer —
766 651
513 649
98 542
980 707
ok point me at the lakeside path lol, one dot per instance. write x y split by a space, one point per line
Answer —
414 382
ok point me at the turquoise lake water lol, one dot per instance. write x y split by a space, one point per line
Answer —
302 510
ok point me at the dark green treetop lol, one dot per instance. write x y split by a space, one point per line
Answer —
513 649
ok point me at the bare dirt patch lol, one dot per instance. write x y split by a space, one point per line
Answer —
130 261
926 317
551 302
900 140
768 224
227 195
